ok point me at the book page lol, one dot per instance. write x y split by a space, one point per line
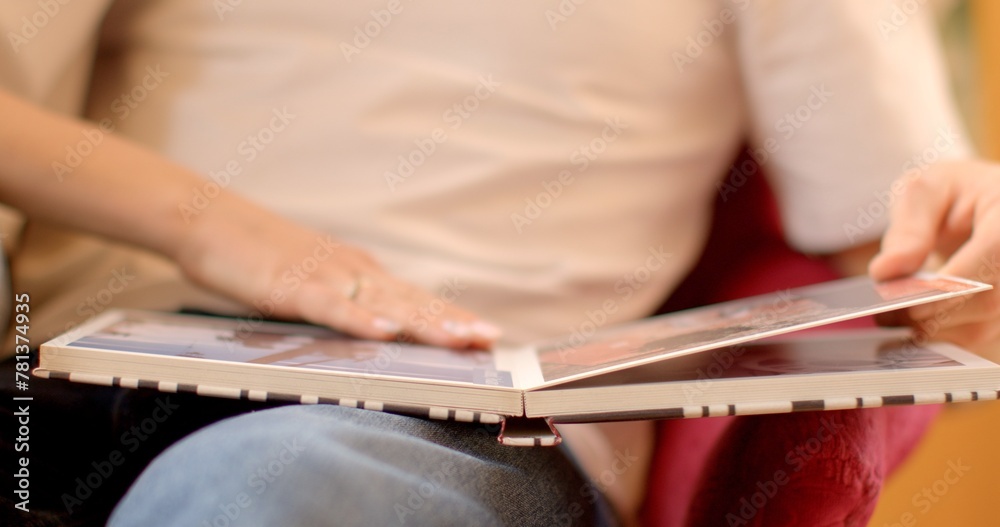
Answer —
290 345
816 370
738 321
853 351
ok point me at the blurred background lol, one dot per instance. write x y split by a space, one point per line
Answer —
953 479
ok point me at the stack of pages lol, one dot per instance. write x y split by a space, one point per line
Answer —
725 359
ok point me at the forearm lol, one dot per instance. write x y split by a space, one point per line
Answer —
119 190
123 191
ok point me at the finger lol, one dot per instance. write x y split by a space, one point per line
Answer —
427 318
941 314
977 259
324 304
979 307
957 227
440 310
415 314
976 337
915 222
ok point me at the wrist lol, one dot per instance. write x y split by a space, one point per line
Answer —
232 246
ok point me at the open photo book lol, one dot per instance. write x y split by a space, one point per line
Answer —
724 359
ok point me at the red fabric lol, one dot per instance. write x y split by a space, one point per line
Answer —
813 468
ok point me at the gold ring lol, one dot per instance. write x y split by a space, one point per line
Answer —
354 289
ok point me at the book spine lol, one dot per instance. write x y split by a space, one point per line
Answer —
525 432
438 413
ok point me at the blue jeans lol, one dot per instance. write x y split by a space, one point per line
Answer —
329 465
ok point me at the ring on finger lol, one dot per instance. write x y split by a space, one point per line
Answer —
354 288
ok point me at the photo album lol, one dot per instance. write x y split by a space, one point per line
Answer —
748 356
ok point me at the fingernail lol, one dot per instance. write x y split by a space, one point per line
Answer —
386 325
486 330
461 331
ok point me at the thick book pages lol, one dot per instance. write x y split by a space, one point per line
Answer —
832 370
647 369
